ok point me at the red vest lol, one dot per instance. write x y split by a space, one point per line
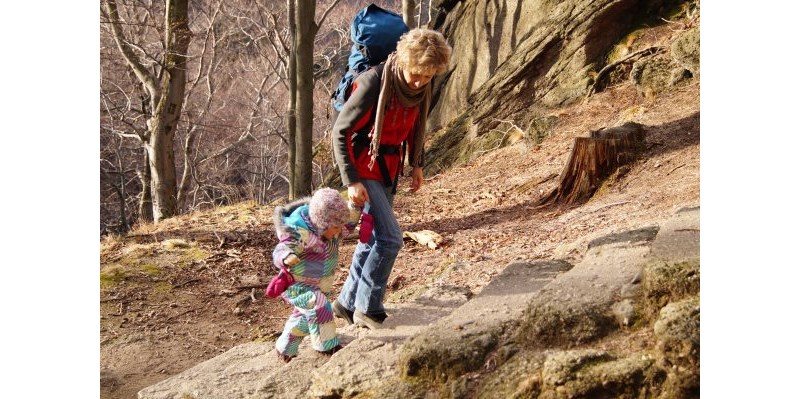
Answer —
398 126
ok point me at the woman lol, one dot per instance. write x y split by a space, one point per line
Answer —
384 119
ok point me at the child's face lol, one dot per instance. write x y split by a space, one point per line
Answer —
332 231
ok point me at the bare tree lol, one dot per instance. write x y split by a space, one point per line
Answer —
307 30
232 140
292 114
165 91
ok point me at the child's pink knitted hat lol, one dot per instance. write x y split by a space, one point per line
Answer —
327 208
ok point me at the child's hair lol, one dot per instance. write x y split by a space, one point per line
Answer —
327 208
423 51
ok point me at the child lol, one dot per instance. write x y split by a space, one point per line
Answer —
308 233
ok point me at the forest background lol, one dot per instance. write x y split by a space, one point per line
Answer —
51 186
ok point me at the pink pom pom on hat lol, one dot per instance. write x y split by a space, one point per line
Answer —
327 208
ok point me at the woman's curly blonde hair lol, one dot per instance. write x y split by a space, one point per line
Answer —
423 52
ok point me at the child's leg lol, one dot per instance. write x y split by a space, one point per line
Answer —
293 332
321 327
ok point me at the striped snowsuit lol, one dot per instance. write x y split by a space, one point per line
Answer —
314 274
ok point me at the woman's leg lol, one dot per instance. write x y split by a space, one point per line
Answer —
347 297
373 263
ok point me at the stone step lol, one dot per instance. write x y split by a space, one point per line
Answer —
442 333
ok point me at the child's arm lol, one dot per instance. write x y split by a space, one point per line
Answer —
289 251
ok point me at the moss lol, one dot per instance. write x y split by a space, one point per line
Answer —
520 377
160 292
151 269
546 325
540 128
112 276
193 254
174 243
604 377
162 287
135 251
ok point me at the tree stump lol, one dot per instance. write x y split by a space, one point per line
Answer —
593 159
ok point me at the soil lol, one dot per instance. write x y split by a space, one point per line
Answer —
171 311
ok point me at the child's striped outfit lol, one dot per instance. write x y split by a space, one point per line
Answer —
314 274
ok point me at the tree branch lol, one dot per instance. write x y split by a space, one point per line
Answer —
127 52
325 15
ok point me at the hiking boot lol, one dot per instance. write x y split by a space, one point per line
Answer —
341 312
371 322
333 350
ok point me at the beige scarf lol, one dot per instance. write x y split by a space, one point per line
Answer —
393 84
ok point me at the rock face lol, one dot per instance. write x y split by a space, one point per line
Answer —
527 53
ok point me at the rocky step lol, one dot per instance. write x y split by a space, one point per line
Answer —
369 358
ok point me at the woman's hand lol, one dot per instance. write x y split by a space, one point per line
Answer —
416 179
357 193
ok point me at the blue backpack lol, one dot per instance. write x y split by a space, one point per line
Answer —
374 32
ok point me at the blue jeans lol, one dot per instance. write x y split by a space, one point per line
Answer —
372 262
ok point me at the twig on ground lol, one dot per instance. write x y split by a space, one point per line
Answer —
220 239
676 168
251 286
607 206
185 283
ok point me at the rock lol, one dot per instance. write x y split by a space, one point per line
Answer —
652 75
591 374
678 76
109 378
561 367
677 332
685 50
624 312
667 282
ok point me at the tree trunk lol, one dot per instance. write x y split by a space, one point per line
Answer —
593 159
188 153
306 30
291 120
146 200
408 13
164 121
166 101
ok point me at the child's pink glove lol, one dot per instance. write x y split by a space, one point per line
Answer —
367 221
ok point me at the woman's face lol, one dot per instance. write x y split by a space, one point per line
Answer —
416 81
